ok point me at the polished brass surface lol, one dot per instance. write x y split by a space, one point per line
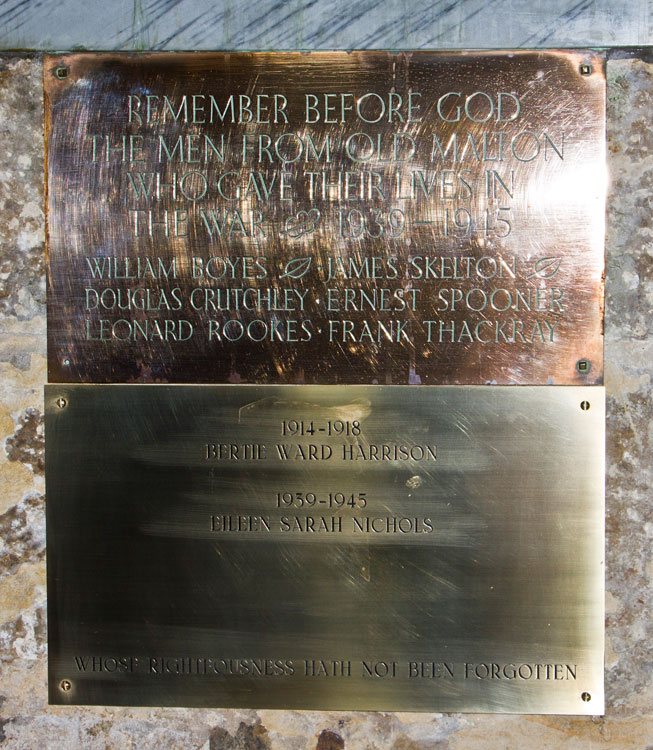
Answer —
459 569
421 217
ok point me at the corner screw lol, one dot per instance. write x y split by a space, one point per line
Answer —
61 72
66 685
586 697
585 405
583 366
61 402
66 362
586 69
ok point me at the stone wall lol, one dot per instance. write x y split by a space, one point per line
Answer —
27 722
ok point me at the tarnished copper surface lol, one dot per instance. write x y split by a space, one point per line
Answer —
550 262
321 547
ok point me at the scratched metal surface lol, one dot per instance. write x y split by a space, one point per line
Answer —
326 24
499 559
556 215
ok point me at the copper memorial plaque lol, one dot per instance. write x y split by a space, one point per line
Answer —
365 217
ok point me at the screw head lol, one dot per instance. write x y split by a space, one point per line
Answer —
586 69
583 366
585 405
61 72
66 362
61 402
66 685
586 697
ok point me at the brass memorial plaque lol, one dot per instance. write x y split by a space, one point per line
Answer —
372 219
368 547
366 217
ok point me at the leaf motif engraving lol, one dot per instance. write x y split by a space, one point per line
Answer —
297 267
546 268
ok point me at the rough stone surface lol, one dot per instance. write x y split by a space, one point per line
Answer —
27 722
629 370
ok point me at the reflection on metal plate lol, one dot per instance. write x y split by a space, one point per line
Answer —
367 217
322 547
